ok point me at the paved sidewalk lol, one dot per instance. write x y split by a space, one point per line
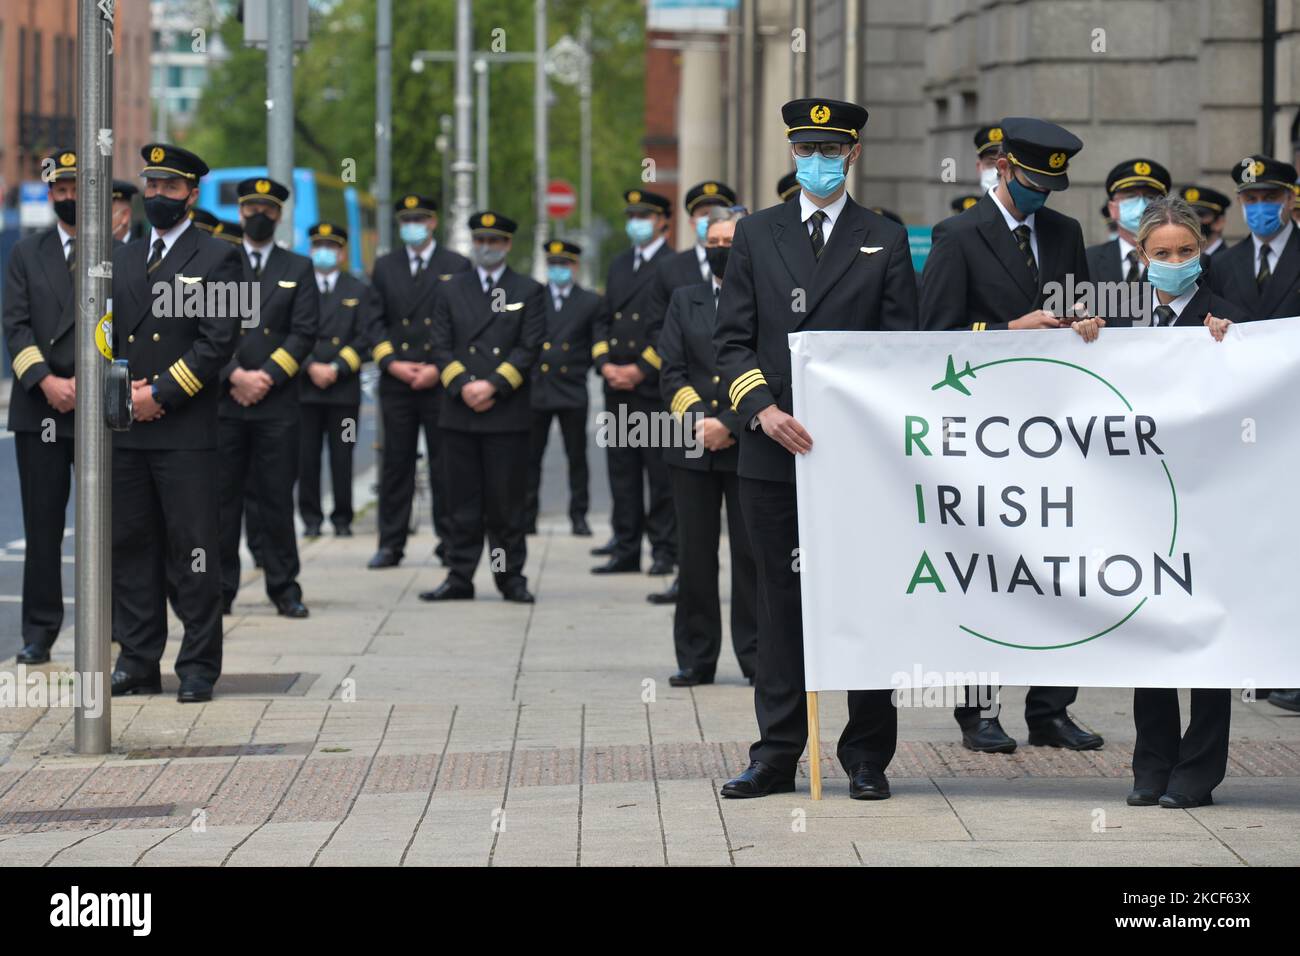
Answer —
382 731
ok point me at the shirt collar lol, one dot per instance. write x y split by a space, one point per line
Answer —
495 274
1124 248
717 284
558 293
264 252
807 207
1276 244
424 255
700 255
649 249
330 278
1180 303
170 236
1011 222
64 236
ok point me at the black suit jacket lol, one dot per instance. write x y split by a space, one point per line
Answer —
183 355
770 272
403 325
1204 303
1233 278
342 340
560 375
674 271
281 340
40 312
690 380
629 330
494 337
975 276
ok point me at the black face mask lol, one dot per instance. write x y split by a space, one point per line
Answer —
259 227
66 209
163 212
717 258
1206 229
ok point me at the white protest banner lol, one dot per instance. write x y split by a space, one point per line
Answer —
1028 508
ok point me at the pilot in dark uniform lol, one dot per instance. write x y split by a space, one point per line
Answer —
259 410
988 147
987 269
488 329
123 194
703 469
1211 205
165 468
787 187
962 203
1129 187
560 381
626 358
856 269
408 282
1261 273
40 312
331 380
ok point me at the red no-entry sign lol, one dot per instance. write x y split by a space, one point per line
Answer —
560 199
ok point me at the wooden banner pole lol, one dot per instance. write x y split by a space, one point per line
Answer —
814 747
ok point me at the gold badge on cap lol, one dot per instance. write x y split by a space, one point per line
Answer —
67 159
634 196
262 186
557 247
410 202
968 202
1257 169
819 114
995 134
1057 160
1142 169
710 189
1192 194
156 154
488 219
325 229
218 229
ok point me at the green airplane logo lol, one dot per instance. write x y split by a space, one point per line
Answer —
953 378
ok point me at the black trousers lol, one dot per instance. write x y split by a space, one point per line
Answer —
1041 703
573 430
252 522
165 536
486 476
404 412
261 455
1164 759
871 734
326 424
697 618
631 472
45 482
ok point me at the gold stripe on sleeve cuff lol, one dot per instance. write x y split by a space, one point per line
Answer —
286 361
979 327
599 349
510 374
684 398
652 357
185 378
744 384
25 359
382 350
349 355
451 371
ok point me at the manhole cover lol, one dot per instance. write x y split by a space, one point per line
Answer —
294 684
88 813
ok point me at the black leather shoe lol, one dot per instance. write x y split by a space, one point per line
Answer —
1181 801
291 607
605 549
311 531
33 654
124 684
618 566
194 690
1286 699
986 736
580 527
868 782
383 558
518 594
343 531
449 591
1143 797
758 780
661 566
664 597
1063 732
690 677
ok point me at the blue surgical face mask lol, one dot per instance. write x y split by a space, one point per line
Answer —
702 229
413 233
640 231
819 175
1027 200
1130 212
1263 218
560 275
324 258
1174 278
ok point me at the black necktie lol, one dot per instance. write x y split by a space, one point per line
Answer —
1165 315
156 256
257 264
1134 267
417 267
72 255
487 285
1264 272
817 236
1027 250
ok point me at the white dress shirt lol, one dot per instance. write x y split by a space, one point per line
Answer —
483 274
1213 247
64 238
169 237
1275 245
702 259
648 250
1013 224
327 281
807 207
1179 303
558 295
412 257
